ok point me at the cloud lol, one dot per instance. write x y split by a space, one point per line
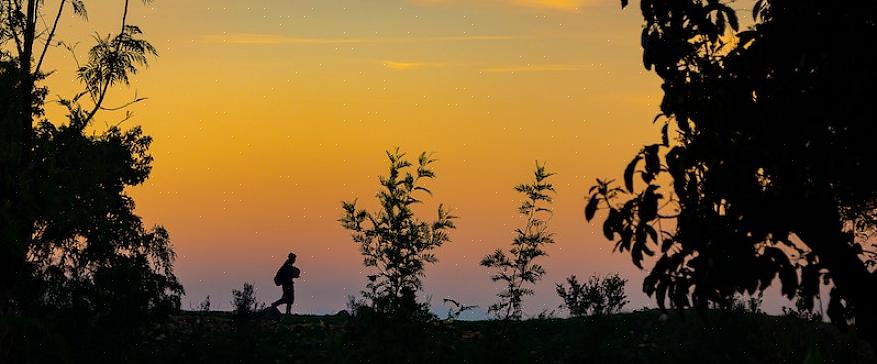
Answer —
562 5
559 5
537 68
268 39
406 66
275 39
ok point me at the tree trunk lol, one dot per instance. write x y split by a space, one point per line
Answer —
16 140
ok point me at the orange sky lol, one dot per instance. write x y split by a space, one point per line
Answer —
266 114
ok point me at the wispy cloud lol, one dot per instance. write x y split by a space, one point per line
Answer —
275 39
559 5
562 5
537 68
406 66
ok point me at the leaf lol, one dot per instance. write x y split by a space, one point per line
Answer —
628 173
661 294
653 161
665 139
665 246
591 208
609 224
79 8
650 230
648 205
732 19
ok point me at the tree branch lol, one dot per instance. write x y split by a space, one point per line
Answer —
51 35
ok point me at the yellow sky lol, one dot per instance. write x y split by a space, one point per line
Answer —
266 114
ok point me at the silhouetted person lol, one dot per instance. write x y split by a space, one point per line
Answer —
284 278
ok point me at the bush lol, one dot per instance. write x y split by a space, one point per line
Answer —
804 310
597 296
394 242
517 268
244 302
751 304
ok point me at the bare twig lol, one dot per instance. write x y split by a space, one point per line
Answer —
51 35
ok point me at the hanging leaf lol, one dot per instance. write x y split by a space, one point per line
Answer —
591 208
628 173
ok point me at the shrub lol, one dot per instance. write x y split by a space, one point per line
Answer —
597 296
244 302
394 241
517 268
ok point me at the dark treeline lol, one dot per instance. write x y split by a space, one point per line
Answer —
76 264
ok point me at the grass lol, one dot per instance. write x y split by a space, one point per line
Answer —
639 337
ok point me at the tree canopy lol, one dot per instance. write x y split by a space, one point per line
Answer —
69 237
761 169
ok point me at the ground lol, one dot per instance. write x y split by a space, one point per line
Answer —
712 337
638 337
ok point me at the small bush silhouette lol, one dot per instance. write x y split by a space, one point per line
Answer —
204 306
517 268
597 296
244 302
804 310
741 303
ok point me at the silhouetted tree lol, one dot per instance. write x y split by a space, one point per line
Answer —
597 296
768 136
393 241
69 238
517 267
244 302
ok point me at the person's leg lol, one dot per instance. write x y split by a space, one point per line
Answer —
288 298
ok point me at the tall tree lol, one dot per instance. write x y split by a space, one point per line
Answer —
768 136
393 240
518 269
69 237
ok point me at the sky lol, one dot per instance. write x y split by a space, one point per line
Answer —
266 114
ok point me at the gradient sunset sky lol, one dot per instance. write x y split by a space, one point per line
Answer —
266 114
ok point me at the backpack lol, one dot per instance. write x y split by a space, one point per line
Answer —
278 278
283 275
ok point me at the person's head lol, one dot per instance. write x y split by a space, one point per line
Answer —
291 257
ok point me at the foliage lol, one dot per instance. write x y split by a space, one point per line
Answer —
597 296
767 132
204 306
70 238
804 310
751 304
394 241
456 308
517 267
244 302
